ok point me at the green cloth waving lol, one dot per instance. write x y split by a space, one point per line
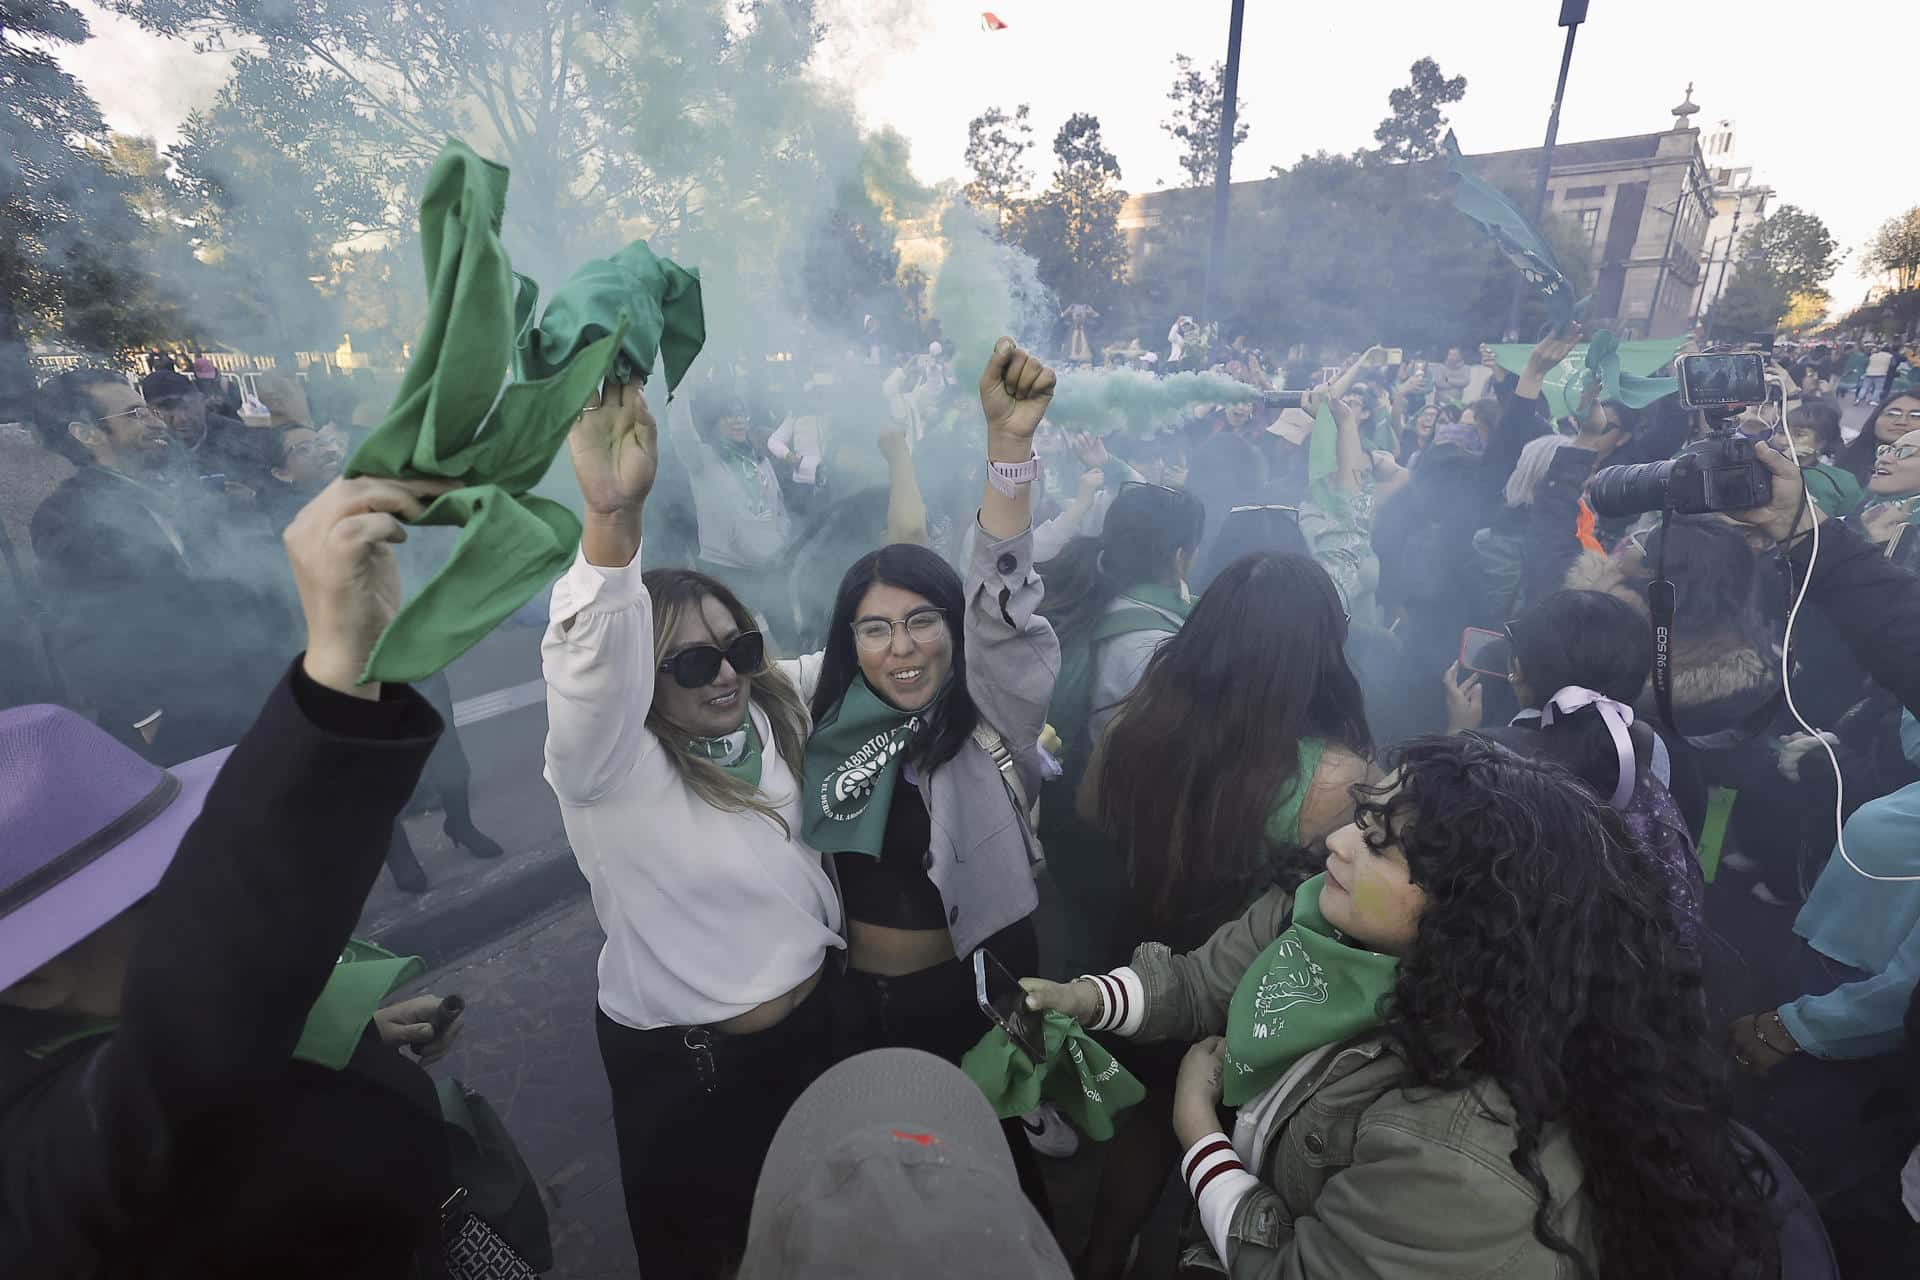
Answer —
452 418
1623 369
1080 1077
1307 990
852 764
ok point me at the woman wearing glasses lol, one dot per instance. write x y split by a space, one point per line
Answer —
1893 490
927 707
676 756
1895 416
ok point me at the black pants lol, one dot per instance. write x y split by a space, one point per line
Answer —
693 1125
937 1011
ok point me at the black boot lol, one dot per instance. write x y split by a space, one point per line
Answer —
460 829
407 871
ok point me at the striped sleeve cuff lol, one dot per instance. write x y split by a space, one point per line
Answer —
1123 1001
1219 1182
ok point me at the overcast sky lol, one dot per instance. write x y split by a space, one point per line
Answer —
1820 104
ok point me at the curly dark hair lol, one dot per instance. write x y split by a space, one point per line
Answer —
1546 944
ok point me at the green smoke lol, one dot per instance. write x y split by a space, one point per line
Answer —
987 288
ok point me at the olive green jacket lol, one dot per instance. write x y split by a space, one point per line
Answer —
1365 1177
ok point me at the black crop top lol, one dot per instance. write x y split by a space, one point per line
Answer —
893 890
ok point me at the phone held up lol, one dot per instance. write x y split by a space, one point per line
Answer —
1485 652
1004 1001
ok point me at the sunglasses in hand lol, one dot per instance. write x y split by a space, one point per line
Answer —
697 666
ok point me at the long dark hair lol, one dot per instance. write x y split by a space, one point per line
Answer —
1146 526
1546 945
951 718
1212 734
1598 642
1859 456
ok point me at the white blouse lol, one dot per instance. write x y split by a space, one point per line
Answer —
707 914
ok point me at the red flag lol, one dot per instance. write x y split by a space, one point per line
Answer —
989 22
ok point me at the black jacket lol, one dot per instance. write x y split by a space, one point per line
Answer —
1872 603
139 626
188 1142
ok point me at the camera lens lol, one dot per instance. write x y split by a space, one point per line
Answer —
1629 490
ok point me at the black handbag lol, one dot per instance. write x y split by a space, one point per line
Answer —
474 1250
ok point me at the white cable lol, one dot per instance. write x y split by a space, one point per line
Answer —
1786 673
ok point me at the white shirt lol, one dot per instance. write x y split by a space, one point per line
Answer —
707 914
1878 363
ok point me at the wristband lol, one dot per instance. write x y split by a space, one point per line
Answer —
1007 477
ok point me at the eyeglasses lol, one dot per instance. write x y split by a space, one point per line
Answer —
696 667
1901 415
924 627
140 413
1148 484
1897 452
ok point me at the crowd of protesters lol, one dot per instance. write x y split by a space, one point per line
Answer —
1326 745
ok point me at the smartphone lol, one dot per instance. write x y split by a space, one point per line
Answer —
1485 652
1396 356
1716 381
1004 1001
1282 399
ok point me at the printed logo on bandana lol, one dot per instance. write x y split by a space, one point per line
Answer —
1295 979
846 790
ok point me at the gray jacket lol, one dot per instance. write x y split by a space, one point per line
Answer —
983 852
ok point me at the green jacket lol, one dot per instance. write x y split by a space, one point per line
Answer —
1366 1178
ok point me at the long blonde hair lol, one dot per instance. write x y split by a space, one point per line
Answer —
677 595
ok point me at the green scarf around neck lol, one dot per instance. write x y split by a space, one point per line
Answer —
1307 990
737 753
853 761
1161 596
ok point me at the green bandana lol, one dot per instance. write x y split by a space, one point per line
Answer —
853 760
1309 989
738 753
1079 1076
452 418
1160 597
1832 489
362 978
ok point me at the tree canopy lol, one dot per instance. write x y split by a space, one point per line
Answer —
1895 248
1199 103
1413 129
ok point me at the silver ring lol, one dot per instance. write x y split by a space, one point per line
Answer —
599 397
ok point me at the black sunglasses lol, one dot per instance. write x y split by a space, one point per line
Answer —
696 667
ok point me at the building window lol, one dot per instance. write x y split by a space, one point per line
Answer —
1589 223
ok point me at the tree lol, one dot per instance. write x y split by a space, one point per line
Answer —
65 228
1412 132
1895 248
1754 302
1795 247
1200 102
997 146
1072 230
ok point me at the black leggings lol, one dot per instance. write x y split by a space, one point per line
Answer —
693 1126
936 1010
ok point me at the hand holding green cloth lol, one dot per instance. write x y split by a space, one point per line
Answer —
1623 370
1079 1077
452 418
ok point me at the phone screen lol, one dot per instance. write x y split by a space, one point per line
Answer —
1004 1001
1709 381
1486 652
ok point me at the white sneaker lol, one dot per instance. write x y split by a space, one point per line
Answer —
1048 1132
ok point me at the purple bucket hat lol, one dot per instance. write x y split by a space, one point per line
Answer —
87 828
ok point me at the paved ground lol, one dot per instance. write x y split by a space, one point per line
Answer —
528 1046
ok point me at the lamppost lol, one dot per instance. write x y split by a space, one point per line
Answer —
1223 167
1572 14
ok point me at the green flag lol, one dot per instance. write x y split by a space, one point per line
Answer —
1621 368
1513 235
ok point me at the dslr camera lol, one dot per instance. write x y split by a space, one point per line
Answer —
1716 473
